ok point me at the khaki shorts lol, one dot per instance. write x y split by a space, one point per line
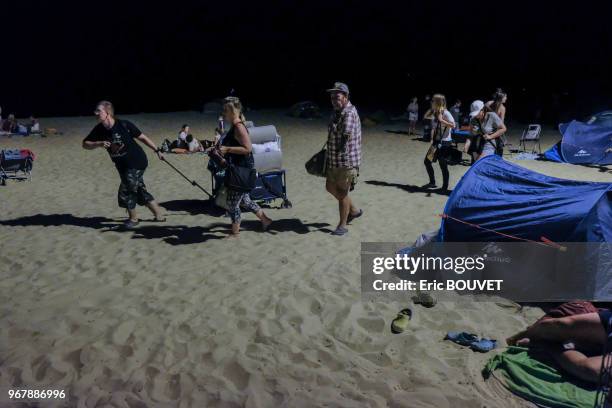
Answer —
344 177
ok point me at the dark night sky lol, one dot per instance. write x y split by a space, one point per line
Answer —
176 55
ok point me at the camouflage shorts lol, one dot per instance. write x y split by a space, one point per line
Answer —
132 190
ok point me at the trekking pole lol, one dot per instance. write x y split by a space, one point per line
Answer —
193 182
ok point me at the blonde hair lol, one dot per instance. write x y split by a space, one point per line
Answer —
235 105
438 103
108 107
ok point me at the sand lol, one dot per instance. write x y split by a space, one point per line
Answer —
171 315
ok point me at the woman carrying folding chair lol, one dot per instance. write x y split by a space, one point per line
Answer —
441 142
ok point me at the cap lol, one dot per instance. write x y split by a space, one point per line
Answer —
339 87
476 107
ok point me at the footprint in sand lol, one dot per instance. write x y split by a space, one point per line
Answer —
380 359
237 375
376 325
123 332
184 333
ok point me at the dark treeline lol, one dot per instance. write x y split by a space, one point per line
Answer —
149 58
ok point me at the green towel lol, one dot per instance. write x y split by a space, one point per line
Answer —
538 382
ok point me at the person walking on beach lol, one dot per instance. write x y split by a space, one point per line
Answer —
119 138
343 154
237 150
441 142
413 115
456 112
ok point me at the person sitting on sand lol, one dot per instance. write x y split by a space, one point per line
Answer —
181 140
10 124
119 138
575 342
193 144
237 150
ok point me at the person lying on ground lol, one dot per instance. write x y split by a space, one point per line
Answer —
575 342
193 144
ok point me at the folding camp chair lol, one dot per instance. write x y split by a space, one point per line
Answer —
531 134
15 164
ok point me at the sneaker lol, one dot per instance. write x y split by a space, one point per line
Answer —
129 224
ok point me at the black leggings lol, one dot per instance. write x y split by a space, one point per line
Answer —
442 155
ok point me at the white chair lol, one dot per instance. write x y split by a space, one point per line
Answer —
531 134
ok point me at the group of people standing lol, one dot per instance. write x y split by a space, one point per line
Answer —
486 130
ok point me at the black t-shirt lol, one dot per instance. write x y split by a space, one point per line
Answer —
125 151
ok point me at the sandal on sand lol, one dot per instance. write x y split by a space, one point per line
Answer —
351 217
483 345
159 219
400 323
340 231
424 299
462 338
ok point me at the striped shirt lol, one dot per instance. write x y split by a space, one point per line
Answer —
344 138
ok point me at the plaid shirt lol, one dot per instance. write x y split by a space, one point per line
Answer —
344 138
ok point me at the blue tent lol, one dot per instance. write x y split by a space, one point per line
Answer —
499 201
498 195
584 142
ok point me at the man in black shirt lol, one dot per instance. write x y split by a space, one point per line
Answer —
119 137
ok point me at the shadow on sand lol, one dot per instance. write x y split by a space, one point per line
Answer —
170 234
410 188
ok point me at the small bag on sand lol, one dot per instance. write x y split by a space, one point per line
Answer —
318 163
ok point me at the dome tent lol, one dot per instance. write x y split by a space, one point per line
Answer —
584 142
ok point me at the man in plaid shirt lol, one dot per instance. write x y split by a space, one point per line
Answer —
343 154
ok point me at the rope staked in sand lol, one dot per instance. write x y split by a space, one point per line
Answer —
545 241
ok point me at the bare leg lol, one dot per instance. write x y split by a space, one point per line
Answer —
235 230
585 330
579 365
155 209
344 206
132 215
466 147
265 220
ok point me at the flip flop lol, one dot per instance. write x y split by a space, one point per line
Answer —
340 231
483 345
424 299
352 217
400 323
159 219
462 338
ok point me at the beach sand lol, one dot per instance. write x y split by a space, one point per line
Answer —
171 315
